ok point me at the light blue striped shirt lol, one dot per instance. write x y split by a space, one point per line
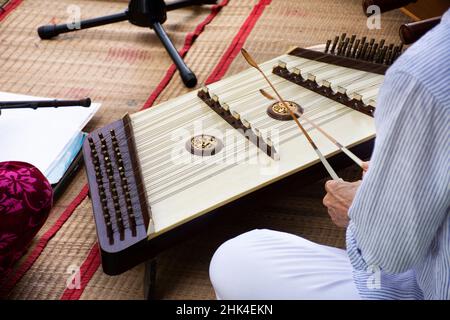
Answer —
398 239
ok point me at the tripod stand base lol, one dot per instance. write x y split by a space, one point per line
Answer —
143 13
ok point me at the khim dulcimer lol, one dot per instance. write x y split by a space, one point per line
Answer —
154 174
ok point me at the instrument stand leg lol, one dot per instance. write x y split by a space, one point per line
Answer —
150 279
143 13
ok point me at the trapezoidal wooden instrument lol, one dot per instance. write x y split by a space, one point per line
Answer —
154 174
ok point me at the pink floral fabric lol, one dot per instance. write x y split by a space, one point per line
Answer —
25 202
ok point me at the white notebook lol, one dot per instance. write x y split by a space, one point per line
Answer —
43 137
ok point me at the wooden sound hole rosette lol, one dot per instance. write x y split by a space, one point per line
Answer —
204 145
279 112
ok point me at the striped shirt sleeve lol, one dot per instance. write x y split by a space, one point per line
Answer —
404 197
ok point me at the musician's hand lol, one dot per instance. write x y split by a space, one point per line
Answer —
365 167
339 197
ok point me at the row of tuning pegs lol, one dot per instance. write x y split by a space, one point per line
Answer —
364 49
251 133
123 181
323 87
112 163
101 188
112 185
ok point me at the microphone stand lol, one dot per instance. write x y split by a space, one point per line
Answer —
4 105
143 13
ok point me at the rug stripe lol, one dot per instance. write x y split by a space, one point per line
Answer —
238 42
93 260
8 8
42 242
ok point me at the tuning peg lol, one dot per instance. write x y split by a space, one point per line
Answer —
363 40
372 51
349 48
327 46
215 98
91 143
363 51
344 47
246 124
355 48
382 55
387 58
335 42
359 50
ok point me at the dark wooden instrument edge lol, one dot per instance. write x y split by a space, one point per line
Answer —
385 5
106 248
119 262
413 31
339 60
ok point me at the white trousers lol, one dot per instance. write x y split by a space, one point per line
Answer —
265 264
